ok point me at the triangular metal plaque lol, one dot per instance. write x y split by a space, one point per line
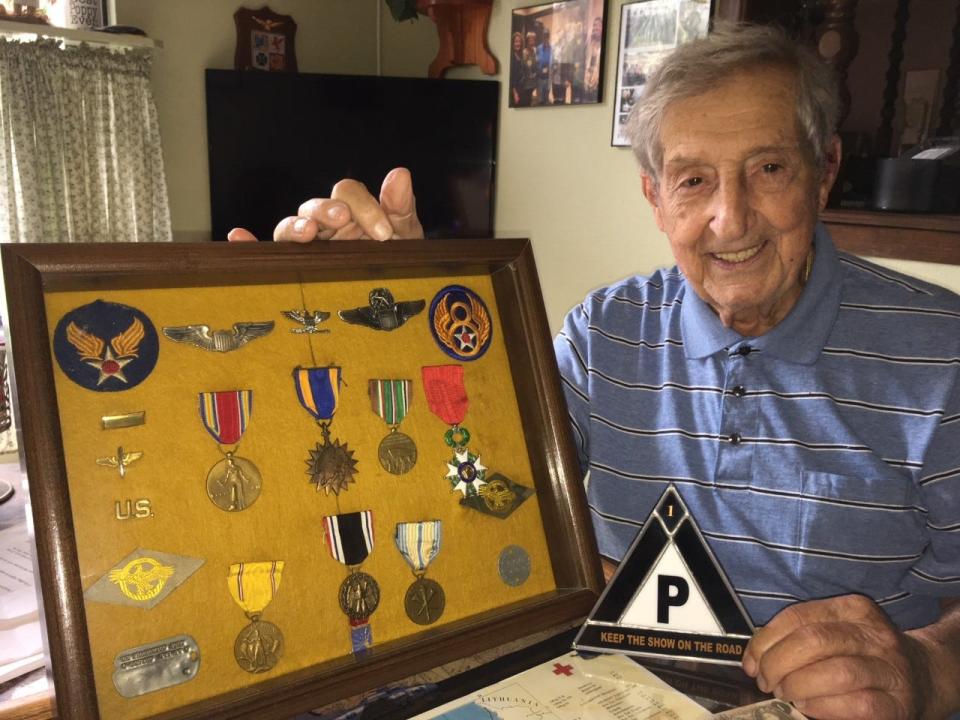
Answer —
669 596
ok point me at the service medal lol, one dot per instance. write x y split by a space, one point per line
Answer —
390 399
234 483
419 544
460 323
349 538
105 346
259 646
447 398
331 465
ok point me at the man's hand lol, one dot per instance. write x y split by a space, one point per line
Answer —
842 658
352 213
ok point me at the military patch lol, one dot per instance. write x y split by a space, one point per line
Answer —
460 323
105 346
498 496
143 579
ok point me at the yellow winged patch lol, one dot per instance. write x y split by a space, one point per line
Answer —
442 322
127 343
481 319
89 346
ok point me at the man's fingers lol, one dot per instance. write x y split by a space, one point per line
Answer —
400 205
787 621
295 229
364 208
330 214
861 705
240 235
838 676
351 231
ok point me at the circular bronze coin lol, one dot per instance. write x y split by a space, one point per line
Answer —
258 647
359 596
397 453
424 601
233 484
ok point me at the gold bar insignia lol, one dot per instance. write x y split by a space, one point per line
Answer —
131 419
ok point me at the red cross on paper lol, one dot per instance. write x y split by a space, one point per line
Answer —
562 669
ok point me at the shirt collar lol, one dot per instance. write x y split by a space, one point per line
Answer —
799 337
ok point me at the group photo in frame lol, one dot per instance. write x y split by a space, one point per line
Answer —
556 53
650 30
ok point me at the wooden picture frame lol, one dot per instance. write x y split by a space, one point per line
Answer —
649 30
567 69
39 277
265 41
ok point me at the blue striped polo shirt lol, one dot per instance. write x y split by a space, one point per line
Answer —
819 459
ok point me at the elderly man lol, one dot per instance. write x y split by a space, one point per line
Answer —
805 403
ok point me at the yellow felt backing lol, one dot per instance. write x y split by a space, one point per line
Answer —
285 523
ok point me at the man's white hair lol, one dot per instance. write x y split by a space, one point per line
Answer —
701 65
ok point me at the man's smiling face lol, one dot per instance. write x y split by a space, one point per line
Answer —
738 196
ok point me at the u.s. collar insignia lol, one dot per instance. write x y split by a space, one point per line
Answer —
143 579
498 496
106 346
460 323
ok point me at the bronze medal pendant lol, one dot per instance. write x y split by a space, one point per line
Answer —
419 544
259 646
359 595
234 483
331 465
349 538
424 601
397 453
390 399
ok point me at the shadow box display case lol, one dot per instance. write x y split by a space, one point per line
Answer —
265 477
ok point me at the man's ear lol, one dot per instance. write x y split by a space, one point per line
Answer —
831 168
652 194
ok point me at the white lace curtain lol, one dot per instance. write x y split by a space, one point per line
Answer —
80 157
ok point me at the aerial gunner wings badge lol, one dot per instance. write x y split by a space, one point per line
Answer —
220 341
669 596
143 579
382 312
106 346
460 323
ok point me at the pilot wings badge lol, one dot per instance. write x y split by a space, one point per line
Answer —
106 346
219 340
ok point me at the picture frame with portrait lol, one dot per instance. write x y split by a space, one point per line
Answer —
556 53
649 30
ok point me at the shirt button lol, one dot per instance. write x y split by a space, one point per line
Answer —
744 350
735 439
739 391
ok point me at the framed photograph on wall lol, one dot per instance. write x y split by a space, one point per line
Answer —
649 29
556 53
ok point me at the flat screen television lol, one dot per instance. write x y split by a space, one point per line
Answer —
277 139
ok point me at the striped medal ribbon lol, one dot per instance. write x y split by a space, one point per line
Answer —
349 538
390 399
259 646
234 483
419 544
330 465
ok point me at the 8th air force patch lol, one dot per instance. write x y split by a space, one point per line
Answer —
106 346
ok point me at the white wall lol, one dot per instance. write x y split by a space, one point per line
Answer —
334 36
559 182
